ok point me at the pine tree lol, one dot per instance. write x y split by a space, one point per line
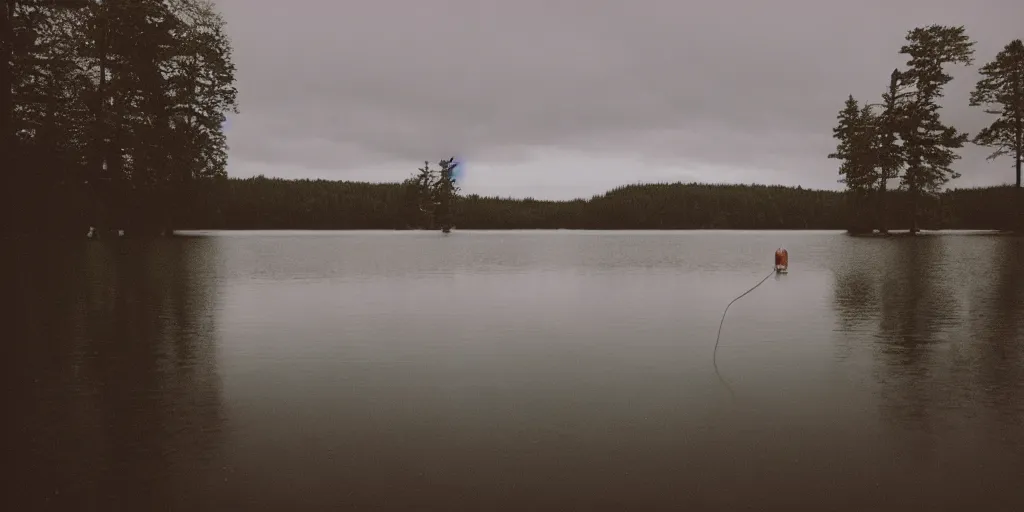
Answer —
1001 93
854 133
201 92
850 134
424 185
890 158
430 196
32 65
126 96
445 194
928 143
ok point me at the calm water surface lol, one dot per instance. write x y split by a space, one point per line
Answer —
518 371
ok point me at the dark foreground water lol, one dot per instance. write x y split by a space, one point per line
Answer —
517 371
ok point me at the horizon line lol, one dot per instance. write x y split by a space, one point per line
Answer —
618 187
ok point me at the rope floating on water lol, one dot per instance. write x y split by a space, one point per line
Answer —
714 356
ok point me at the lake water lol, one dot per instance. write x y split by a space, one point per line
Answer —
518 371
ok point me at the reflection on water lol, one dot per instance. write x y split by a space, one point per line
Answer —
946 351
118 401
518 371
997 322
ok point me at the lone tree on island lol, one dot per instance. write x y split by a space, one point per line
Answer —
431 196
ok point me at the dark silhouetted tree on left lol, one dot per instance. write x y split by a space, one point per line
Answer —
31 58
200 93
115 111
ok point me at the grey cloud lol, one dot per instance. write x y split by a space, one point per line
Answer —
337 85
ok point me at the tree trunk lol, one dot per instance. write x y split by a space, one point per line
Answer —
7 110
915 196
6 77
100 180
883 209
1020 191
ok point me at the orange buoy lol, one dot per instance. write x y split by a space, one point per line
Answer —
781 261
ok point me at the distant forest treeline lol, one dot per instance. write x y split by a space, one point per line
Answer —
271 203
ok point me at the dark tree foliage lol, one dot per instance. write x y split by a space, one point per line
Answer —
907 140
867 146
929 144
854 146
116 111
445 195
890 154
35 66
1001 93
430 196
856 150
270 203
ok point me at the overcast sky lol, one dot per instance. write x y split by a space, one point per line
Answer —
567 98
